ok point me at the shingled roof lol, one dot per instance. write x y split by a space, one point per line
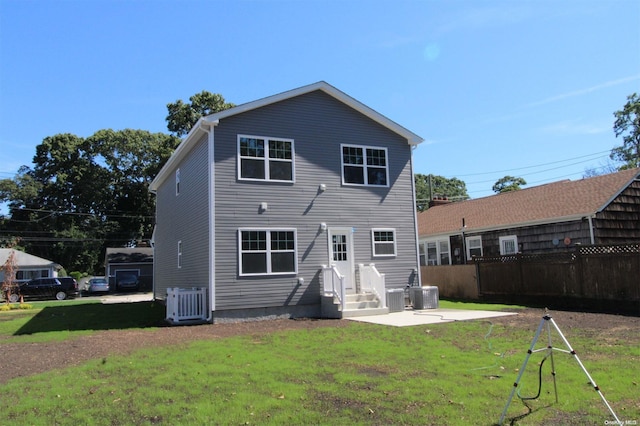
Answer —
554 202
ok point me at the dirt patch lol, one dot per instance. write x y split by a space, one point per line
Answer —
32 358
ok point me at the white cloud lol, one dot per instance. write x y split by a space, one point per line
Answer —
584 91
576 128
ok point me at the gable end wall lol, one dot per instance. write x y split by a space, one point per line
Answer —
318 124
183 218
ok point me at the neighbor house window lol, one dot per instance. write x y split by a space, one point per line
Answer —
178 182
364 165
508 245
26 274
179 254
264 158
474 247
435 252
384 242
267 251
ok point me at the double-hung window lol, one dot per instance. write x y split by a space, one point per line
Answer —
265 158
508 245
384 242
364 165
474 247
267 251
435 252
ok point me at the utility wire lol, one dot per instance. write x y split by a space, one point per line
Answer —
541 165
83 214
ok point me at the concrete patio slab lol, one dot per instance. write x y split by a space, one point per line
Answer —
410 317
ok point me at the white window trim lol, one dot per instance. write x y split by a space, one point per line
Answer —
177 182
364 165
373 242
437 242
513 238
468 248
268 251
180 254
266 159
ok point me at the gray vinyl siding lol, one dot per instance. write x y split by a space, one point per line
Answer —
185 218
318 124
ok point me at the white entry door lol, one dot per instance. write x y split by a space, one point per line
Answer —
341 255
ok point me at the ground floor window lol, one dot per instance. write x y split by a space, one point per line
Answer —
26 274
474 247
267 251
435 252
384 242
508 245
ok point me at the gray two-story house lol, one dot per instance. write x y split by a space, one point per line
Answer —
298 204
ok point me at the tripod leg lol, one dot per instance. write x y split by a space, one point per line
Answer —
521 372
595 386
553 365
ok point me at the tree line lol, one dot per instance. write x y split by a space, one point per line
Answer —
82 195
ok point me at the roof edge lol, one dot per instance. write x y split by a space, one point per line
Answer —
213 119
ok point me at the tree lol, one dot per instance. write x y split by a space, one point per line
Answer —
9 270
83 195
627 125
430 186
508 183
182 116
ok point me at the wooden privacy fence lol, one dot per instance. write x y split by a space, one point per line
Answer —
595 272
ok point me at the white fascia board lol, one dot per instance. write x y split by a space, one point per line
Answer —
411 137
177 156
214 119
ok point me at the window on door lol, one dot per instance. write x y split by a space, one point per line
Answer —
508 245
339 243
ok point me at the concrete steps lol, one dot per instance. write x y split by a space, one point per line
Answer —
356 305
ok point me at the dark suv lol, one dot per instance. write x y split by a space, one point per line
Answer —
59 288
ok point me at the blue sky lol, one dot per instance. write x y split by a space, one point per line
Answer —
521 88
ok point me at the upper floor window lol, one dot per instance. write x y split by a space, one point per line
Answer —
364 165
177 181
508 245
474 247
267 251
384 242
264 158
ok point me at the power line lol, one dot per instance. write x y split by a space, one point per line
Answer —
540 165
81 214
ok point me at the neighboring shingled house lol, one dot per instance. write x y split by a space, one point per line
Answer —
553 217
28 266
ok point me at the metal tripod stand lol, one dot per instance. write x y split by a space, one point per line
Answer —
548 321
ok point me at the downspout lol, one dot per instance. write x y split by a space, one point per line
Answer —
212 214
415 218
591 231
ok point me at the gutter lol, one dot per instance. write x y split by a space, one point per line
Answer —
207 126
591 230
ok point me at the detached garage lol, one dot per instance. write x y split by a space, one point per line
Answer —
124 263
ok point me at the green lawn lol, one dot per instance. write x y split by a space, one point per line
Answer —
452 373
